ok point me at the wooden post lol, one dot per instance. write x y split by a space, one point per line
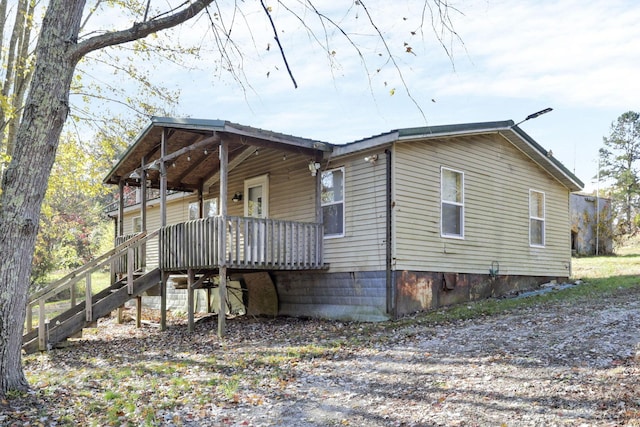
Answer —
138 311
222 239
119 229
73 294
130 267
163 301
163 223
121 208
201 199
29 318
222 310
42 327
143 212
191 278
87 301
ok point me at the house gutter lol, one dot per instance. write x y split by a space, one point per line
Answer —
390 279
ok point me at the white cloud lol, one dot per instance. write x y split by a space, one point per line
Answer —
573 52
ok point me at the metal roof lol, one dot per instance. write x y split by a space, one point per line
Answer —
191 145
191 142
507 129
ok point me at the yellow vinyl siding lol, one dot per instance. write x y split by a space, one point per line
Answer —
291 194
363 247
497 180
291 186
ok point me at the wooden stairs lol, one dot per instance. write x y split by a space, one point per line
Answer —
72 321
124 259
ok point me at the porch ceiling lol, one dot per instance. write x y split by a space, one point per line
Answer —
192 148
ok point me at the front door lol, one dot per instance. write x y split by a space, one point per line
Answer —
256 205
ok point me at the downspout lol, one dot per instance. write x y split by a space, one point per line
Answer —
390 279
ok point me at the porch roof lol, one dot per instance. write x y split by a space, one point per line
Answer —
191 150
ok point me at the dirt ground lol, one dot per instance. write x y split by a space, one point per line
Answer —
550 365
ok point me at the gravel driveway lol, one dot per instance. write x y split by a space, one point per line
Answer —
555 364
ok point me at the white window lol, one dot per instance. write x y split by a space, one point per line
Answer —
536 218
210 209
137 224
332 199
452 203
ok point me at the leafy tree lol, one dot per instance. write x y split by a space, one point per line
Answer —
61 47
71 217
619 159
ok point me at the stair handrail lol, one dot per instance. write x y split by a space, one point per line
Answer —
40 297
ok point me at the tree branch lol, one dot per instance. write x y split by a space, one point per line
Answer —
139 30
275 36
391 58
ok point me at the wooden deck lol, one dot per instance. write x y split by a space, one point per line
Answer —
241 243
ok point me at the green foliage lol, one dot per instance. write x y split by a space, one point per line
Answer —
72 227
619 158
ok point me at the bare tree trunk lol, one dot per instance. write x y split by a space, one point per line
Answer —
25 181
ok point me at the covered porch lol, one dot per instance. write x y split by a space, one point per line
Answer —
202 157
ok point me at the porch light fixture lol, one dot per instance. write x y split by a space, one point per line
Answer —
534 115
206 151
135 174
313 167
154 166
237 196
371 159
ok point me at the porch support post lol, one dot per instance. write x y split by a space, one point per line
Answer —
222 235
318 200
121 209
119 231
191 278
200 199
319 235
143 211
163 222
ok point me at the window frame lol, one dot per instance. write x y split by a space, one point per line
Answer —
133 224
342 202
542 219
454 203
204 202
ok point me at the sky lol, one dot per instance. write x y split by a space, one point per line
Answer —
508 59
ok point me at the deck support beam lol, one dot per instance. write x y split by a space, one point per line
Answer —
191 278
222 309
138 311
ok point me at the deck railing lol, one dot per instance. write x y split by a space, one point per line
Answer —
121 265
69 284
241 242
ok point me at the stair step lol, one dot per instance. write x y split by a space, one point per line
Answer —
73 320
